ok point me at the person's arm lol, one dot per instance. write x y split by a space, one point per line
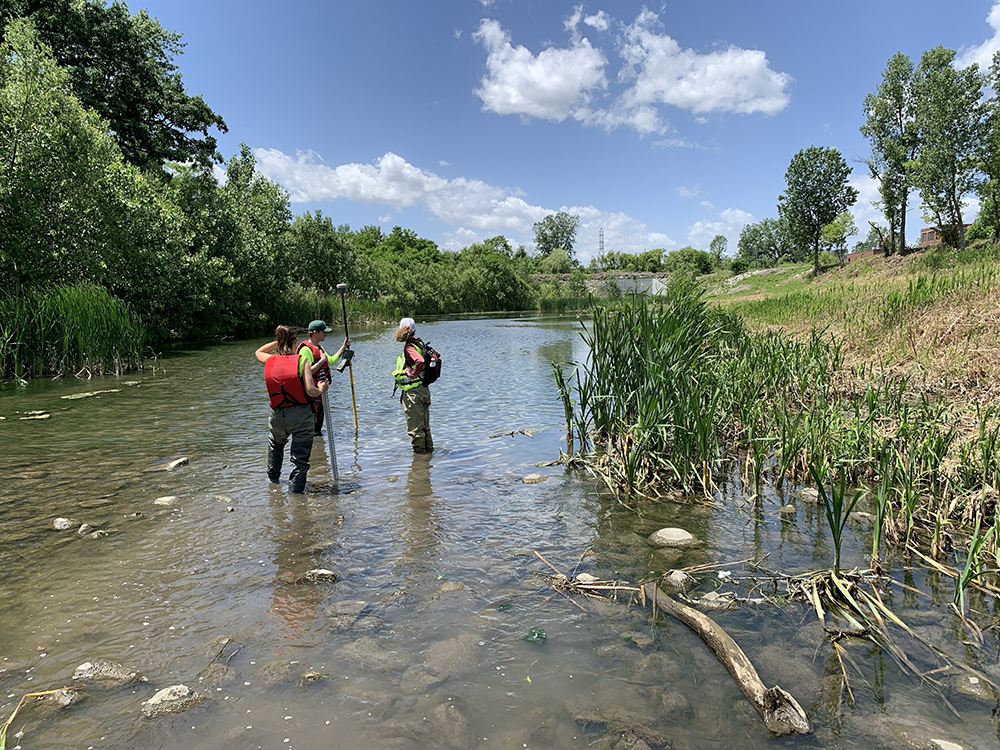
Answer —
312 389
413 355
265 351
335 357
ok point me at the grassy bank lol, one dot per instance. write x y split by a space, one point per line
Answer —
879 377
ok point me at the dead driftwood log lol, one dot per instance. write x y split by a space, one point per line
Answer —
781 713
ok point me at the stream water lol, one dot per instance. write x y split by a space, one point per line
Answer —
431 636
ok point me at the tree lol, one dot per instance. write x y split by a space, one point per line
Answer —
833 237
765 243
949 119
890 126
121 66
816 191
556 231
989 188
718 248
556 262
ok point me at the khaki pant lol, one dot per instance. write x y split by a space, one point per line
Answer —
416 406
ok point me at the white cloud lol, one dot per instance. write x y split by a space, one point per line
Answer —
688 192
983 53
655 72
600 21
476 210
707 205
730 80
701 233
553 85
676 143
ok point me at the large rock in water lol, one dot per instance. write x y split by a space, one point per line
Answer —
671 537
106 673
172 700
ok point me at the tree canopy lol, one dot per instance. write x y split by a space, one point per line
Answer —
121 66
556 231
816 191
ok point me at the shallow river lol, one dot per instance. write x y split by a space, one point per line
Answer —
432 634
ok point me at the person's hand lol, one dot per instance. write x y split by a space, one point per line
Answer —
323 386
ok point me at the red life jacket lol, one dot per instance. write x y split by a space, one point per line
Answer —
323 373
284 386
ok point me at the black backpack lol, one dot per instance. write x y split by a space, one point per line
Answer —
432 364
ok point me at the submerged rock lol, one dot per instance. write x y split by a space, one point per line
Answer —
64 524
172 700
677 580
167 500
671 537
217 675
278 672
533 478
107 673
317 575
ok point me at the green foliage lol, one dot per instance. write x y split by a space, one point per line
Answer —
688 261
765 243
816 192
121 66
949 121
891 128
65 329
554 232
648 261
833 236
557 261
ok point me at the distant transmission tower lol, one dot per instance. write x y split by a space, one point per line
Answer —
601 235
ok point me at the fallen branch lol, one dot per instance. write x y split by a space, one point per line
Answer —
781 713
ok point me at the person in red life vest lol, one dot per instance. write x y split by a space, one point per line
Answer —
312 348
416 396
291 385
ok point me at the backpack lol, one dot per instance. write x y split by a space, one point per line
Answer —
432 364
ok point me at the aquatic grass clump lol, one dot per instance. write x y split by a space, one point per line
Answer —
77 329
677 393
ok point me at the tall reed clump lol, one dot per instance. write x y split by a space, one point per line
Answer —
65 330
674 392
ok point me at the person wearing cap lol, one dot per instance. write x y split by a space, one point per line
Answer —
416 396
311 350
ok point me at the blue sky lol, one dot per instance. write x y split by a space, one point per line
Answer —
664 124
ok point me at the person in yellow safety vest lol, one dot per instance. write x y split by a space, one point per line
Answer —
313 345
291 385
415 397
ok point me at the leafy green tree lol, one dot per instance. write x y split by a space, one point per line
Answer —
320 254
890 126
54 161
833 236
949 119
989 187
121 66
556 231
875 239
557 261
816 191
765 243
689 261
718 248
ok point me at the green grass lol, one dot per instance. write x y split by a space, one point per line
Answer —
66 330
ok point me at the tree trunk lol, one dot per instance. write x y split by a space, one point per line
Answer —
781 713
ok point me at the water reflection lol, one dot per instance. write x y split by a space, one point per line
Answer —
421 533
297 550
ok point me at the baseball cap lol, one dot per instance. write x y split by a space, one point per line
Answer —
319 325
